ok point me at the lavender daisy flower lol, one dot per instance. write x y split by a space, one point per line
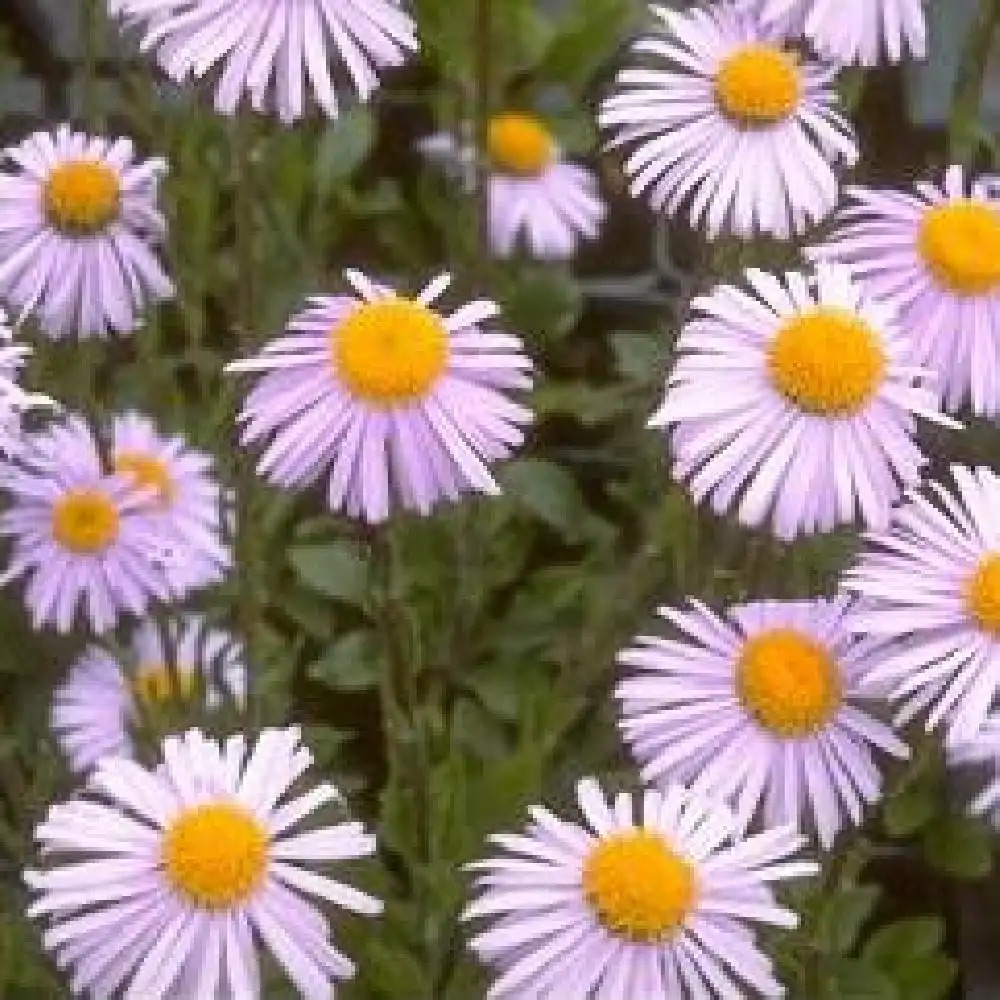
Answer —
79 223
622 908
725 119
935 256
982 752
14 401
168 881
536 199
95 709
796 401
761 706
931 593
400 405
852 31
82 539
183 494
277 52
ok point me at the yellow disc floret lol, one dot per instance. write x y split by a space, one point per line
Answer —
215 855
85 521
788 682
148 473
82 196
959 242
520 144
390 352
758 85
156 683
639 887
827 362
983 594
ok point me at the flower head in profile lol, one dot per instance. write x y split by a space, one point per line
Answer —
182 493
795 401
397 404
82 539
934 255
79 226
982 753
278 53
930 589
537 200
852 31
726 122
102 699
167 882
652 896
763 706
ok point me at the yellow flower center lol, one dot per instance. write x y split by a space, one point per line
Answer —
147 473
758 85
827 362
216 855
960 244
85 521
983 594
788 682
82 196
520 144
156 683
639 887
390 351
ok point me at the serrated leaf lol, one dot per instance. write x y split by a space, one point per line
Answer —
334 569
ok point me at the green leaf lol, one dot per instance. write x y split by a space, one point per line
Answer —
334 569
909 811
391 970
842 917
898 942
547 491
926 977
854 980
344 146
352 663
638 356
547 303
960 847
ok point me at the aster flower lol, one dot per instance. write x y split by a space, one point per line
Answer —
536 199
14 401
83 539
401 405
623 908
183 495
723 118
799 395
276 52
763 706
166 880
95 709
79 223
852 31
931 593
935 256
982 752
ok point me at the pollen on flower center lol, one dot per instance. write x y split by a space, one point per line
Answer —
216 855
82 196
638 886
520 144
156 683
960 243
788 682
390 352
147 473
85 521
983 594
758 84
827 362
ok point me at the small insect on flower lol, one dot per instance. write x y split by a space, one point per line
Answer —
102 699
724 118
982 753
930 589
83 539
537 200
397 403
934 256
624 907
279 53
79 227
796 401
762 706
852 31
166 882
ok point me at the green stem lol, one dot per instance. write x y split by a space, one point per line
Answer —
483 47
90 16
963 131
